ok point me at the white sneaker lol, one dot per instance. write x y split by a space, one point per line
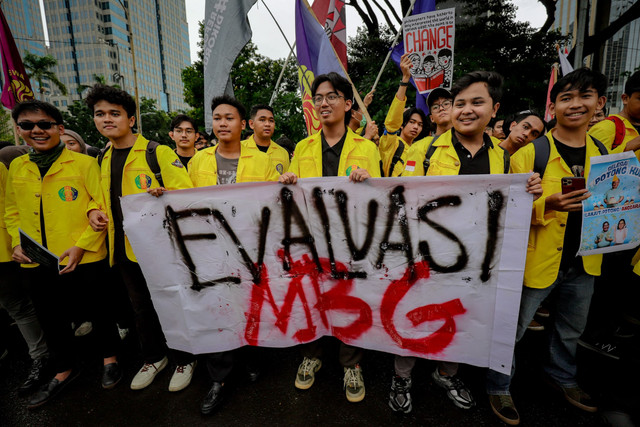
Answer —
147 373
182 376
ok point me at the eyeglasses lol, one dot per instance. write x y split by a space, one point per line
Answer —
180 131
42 125
444 106
331 98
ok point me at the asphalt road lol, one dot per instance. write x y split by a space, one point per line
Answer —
273 399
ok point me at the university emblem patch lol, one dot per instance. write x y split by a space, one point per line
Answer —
143 181
68 193
280 168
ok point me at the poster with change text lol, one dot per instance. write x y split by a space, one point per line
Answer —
611 216
429 40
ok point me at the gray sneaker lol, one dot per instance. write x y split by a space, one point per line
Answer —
354 384
456 390
307 372
400 394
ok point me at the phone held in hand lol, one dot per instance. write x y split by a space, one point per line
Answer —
572 183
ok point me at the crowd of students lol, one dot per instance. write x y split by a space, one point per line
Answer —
70 203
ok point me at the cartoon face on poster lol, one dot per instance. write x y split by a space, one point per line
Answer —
429 39
611 216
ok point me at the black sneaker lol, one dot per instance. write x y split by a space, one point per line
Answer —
400 394
36 376
604 347
502 405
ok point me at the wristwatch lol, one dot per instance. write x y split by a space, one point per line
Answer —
404 84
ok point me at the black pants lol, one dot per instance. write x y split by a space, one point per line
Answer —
51 296
348 355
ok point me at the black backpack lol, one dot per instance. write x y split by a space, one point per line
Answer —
543 150
432 149
150 156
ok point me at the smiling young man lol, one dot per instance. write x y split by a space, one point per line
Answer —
402 127
334 151
184 134
230 161
263 124
49 192
125 171
523 128
552 265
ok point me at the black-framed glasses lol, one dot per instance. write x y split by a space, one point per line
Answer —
331 98
445 105
42 125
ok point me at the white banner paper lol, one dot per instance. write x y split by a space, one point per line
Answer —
429 41
427 266
611 216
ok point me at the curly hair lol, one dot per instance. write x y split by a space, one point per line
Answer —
112 95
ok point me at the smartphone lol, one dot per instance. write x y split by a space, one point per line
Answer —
572 183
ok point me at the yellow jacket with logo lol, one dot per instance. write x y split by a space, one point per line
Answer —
605 132
253 166
69 190
444 160
357 151
389 142
546 236
277 154
5 239
137 177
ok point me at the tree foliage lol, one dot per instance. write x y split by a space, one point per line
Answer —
39 69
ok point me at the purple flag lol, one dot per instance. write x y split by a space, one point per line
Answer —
421 6
315 56
17 87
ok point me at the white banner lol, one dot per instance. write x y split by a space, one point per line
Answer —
427 266
429 40
611 216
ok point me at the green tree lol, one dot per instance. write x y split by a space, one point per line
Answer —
6 134
39 69
155 122
80 119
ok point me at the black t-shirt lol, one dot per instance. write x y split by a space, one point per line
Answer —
331 155
118 160
184 160
473 165
43 234
262 148
574 157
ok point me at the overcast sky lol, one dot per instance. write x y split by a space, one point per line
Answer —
271 43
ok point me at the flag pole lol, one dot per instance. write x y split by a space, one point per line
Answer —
363 108
395 41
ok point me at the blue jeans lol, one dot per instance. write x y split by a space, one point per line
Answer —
572 297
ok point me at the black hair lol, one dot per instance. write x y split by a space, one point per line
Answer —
606 222
204 134
340 84
254 110
34 105
183 118
633 84
492 79
518 117
406 116
444 52
429 58
581 79
229 100
112 95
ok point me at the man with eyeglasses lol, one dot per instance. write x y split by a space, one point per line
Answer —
334 151
184 134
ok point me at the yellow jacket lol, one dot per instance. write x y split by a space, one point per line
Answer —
605 132
357 151
389 142
69 190
5 239
546 236
253 165
445 159
137 177
279 156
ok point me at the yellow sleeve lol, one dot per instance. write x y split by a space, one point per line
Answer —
3 183
376 163
605 132
11 215
294 167
91 240
416 154
174 174
393 121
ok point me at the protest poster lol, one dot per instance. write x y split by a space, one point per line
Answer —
424 266
38 253
429 41
611 216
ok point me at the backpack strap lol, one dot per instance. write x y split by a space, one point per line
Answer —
427 157
152 160
101 156
621 131
601 147
507 161
542 153
397 157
